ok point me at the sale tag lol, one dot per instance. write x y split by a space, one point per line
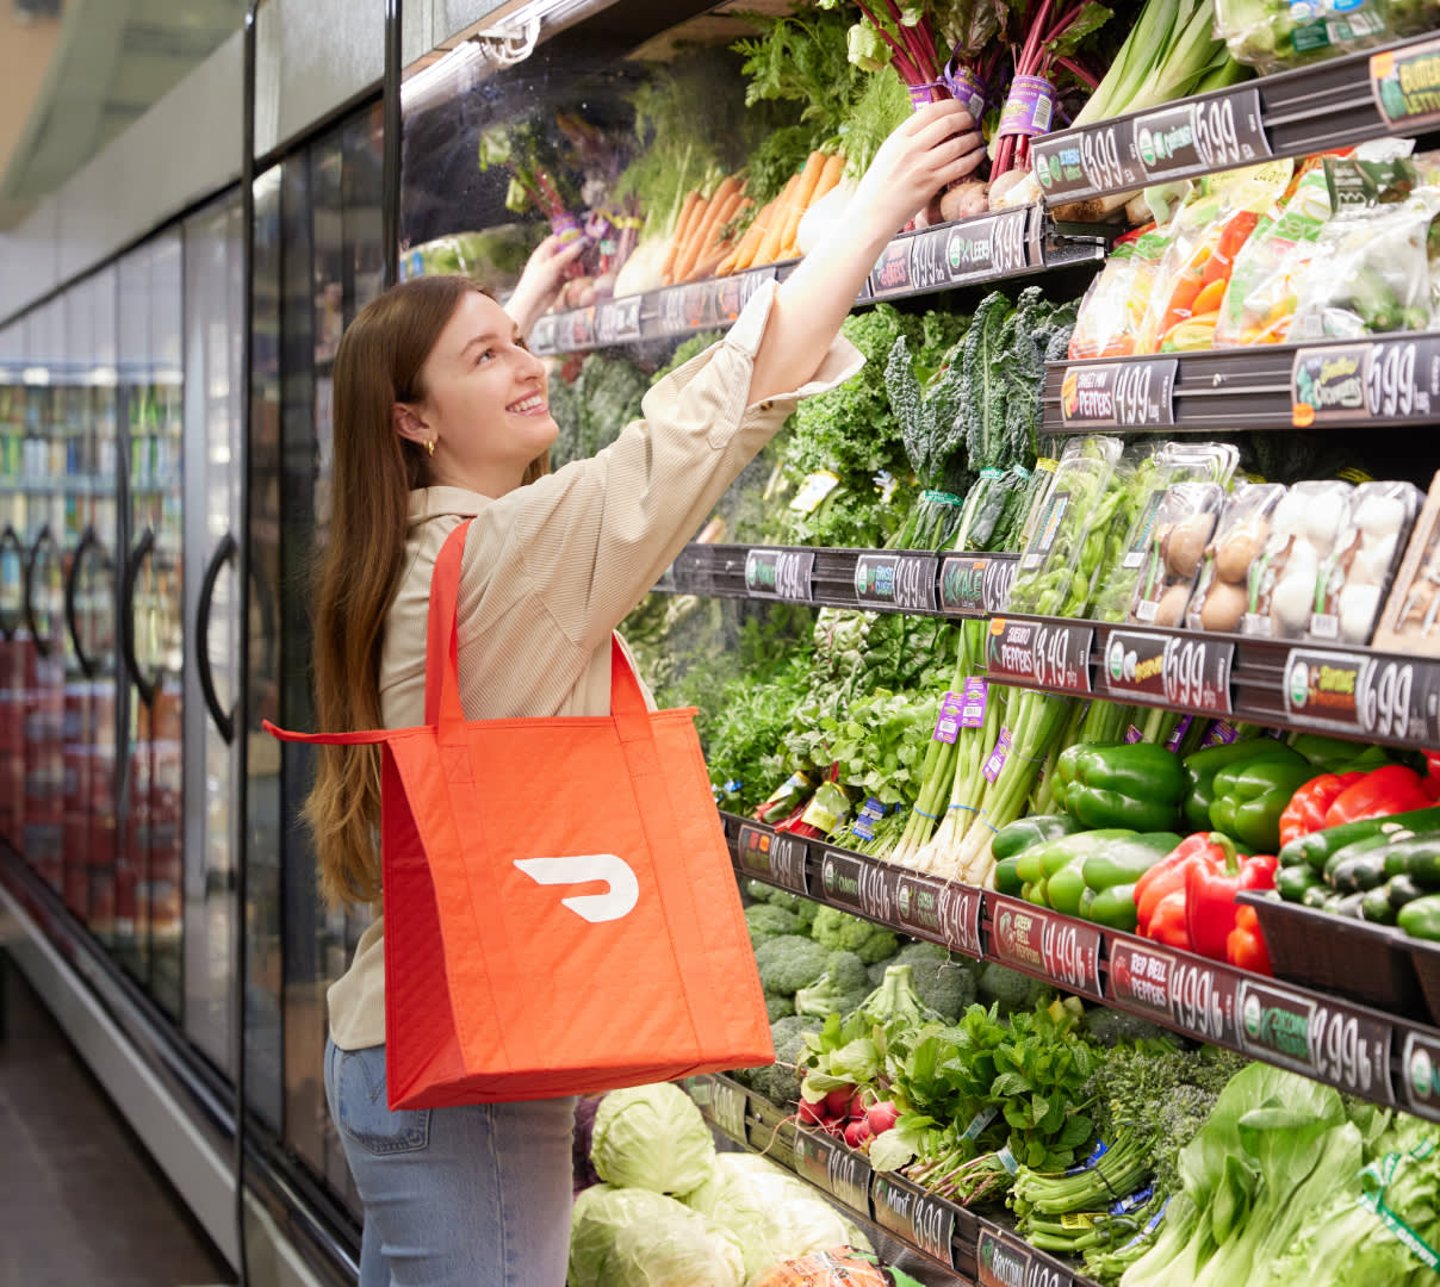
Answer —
1327 1040
1201 136
1169 670
1005 1261
774 858
728 1105
780 574
1393 698
834 1169
1041 941
891 274
904 581
864 886
1187 992
1406 85
1047 655
976 585
1124 395
1421 1065
939 910
618 320
916 1218
1086 162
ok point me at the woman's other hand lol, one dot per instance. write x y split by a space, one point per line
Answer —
541 281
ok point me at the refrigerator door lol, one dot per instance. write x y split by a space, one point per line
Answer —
12 582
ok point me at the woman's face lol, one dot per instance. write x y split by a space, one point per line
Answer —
485 401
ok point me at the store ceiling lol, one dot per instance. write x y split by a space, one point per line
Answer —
75 73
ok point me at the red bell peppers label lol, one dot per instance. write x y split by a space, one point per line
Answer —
1420 1066
916 1217
774 858
1175 988
1039 941
834 1169
939 910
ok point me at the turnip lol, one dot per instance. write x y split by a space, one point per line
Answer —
857 1132
965 200
882 1117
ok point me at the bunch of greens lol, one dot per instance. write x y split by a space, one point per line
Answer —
595 406
742 726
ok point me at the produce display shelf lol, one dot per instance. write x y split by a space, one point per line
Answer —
1389 1059
969 252
952 1244
1331 104
1334 384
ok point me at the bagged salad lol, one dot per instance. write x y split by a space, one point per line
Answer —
1411 621
1114 307
1271 34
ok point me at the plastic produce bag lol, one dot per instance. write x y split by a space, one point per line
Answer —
1305 529
1353 580
1411 622
838 1267
1220 597
1113 311
1271 34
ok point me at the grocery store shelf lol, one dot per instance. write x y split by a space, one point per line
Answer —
946 1238
1331 104
1355 1048
1356 384
970 252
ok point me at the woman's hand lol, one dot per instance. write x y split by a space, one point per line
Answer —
541 281
936 146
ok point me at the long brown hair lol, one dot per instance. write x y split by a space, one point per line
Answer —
358 572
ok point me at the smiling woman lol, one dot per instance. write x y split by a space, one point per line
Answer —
441 418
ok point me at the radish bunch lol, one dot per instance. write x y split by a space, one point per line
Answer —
845 1114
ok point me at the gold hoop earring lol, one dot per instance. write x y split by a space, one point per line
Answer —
430 446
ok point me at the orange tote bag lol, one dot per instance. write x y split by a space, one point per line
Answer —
560 912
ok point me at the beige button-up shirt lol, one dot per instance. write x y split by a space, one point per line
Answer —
551 569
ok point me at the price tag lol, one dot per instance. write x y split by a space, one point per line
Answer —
780 574
1076 163
1406 85
672 311
1382 697
989 246
1402 379
1045 942
618 321
891 273
728 1105
1193 994
1041 653
542 335
1004 1261
1200 137
1421 1065
834 1169
1328 1040
916 1218
940 910
1169 670
774 858
579 328
866 887
1125 395
976 585
904 581
930 260
729 299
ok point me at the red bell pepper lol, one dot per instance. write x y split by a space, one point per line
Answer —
1167 921
1307 808
1245 947
1210 906
1393 788
1168 875
1430 784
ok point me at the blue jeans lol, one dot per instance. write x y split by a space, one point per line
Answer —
477 1195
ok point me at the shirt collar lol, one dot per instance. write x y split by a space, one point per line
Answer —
434 502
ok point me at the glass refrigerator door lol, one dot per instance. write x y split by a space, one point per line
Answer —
214 306
12 579
42 624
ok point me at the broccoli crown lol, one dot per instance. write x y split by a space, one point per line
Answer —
841 932
1111 1027
876 972
946 986
914 953
765 920
1010 989
896 1000
789 963
847 971
759 890
778 1007
780 1081
840 990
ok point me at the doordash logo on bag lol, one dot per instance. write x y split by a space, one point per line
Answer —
622 889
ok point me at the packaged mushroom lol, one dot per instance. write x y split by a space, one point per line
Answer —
1305 530
1354 578
1184 525
1222 591
1411 620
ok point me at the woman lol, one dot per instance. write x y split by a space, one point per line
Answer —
440 416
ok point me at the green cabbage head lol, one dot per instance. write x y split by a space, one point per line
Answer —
652 1137
636 1238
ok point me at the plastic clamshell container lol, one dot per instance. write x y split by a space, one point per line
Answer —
1351 958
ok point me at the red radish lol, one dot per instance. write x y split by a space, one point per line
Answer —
811 1114
837 1102
856 1108
857 1132
882 1117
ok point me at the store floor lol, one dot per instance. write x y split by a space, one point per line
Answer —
81 1203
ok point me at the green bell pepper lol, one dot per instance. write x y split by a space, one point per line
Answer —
1114 907
1250 797
1124 864
1007 879
1136 785
1040 862
1024 832
1202 767
1067 886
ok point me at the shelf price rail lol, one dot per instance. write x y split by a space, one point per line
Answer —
1332 104
987 248
971 1246
1354 1048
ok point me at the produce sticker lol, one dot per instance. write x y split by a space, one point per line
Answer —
1406 85
915 1217
1421 1072
774 858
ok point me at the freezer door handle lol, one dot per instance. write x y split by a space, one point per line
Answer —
138 555
225 553
88 542
43 538
10 541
